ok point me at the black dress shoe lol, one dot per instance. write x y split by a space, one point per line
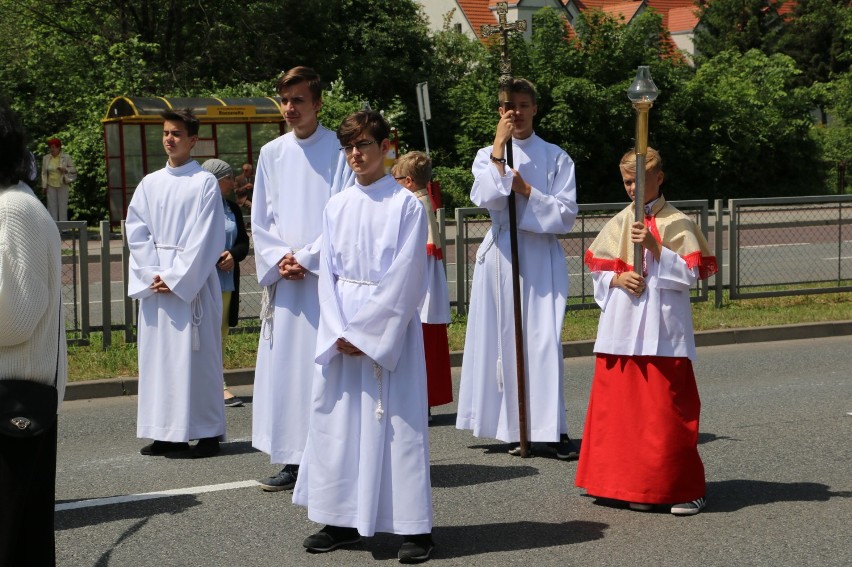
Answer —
206 447
163 447
416 548
331 537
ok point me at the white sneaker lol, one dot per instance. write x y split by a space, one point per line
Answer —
689 508
639 507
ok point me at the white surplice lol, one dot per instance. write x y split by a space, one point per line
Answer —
488 395
176 229
366 463
295 178
435 309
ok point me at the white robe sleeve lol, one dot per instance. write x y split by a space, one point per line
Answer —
552 211
490 189
379 326
673 273
144 260
548 210
269 247
205 241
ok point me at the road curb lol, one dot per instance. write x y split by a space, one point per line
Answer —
129 386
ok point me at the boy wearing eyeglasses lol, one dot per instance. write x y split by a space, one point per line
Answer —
366 462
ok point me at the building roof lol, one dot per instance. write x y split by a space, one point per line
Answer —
625 10
477 13
682 20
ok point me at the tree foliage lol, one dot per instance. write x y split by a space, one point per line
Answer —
747 101
740 25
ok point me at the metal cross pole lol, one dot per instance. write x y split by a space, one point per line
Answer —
642 93
504 28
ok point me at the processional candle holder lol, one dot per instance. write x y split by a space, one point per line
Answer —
642 93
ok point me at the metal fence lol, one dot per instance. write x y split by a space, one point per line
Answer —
472 224
790 246
785 246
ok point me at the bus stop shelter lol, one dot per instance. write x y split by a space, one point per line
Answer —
232 129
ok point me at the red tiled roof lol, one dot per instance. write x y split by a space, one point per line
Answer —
477 13
682 19
623 9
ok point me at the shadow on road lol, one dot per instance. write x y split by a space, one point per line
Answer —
144 509
452 476
732 495
710 437
103 561
464 541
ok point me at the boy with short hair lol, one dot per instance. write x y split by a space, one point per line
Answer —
175 232
643 392
413 171
366 464
545 191
296 175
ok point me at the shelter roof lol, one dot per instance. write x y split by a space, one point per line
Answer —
207 109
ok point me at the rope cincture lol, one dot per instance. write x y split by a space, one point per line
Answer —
377 371
197 314
267 312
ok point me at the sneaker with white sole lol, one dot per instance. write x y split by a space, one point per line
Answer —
284 480
689 508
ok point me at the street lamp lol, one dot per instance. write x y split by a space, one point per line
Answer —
642 92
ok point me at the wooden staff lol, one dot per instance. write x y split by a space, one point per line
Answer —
504 28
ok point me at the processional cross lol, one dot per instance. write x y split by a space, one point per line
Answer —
504 28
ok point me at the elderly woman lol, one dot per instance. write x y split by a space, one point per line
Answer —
57 174
32 349
236 249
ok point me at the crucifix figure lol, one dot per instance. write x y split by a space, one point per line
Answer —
504 29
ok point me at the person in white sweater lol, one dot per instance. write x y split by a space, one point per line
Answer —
32 347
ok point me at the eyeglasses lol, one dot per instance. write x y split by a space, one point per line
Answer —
362 145
399 178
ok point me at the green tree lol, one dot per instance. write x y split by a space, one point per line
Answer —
738 24
740 110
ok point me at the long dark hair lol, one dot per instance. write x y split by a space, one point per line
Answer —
14 159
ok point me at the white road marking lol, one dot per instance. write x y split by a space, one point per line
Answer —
152 495
777 245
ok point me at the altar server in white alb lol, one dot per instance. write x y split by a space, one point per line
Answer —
296 175
546 203
366 464
644 392
175 231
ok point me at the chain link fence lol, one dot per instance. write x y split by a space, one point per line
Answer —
785 246
790 246
472 224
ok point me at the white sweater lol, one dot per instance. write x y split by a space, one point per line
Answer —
30 290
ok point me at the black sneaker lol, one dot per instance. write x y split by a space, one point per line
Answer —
233 402
206 447
331 537
163 447
416 548
284 480
565 449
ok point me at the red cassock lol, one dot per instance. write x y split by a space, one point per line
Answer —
641 433
439 380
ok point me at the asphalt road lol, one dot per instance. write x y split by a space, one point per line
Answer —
776 439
